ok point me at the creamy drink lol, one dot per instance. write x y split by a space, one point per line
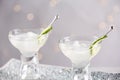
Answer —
78 51
27 43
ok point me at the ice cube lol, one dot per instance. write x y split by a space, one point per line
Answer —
67 39
76 44
84 45
31 34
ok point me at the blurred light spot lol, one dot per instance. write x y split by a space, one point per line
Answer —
102 25
110 18
40 56
17 8
30 16
104 2
116 9
53 3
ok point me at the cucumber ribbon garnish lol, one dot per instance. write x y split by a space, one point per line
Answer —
49 28
99 40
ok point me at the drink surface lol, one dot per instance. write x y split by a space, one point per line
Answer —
27 43
78 51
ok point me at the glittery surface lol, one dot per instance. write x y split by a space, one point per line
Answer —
10 71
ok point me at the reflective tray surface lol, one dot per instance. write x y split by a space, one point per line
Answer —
10 71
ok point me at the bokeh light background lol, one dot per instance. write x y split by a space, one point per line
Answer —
92 17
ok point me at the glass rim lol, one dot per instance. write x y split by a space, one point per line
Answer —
94 37
24 30
82 52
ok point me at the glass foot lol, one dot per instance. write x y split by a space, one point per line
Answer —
29 69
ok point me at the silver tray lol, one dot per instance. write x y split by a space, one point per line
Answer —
10 71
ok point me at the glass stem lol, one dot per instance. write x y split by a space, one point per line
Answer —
26 59
81 73
36 58
29 68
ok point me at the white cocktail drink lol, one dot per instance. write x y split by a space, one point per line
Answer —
78 52
27 43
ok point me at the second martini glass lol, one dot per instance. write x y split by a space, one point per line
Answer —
80 50
76 48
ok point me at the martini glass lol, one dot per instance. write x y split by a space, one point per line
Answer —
76 48
28 43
